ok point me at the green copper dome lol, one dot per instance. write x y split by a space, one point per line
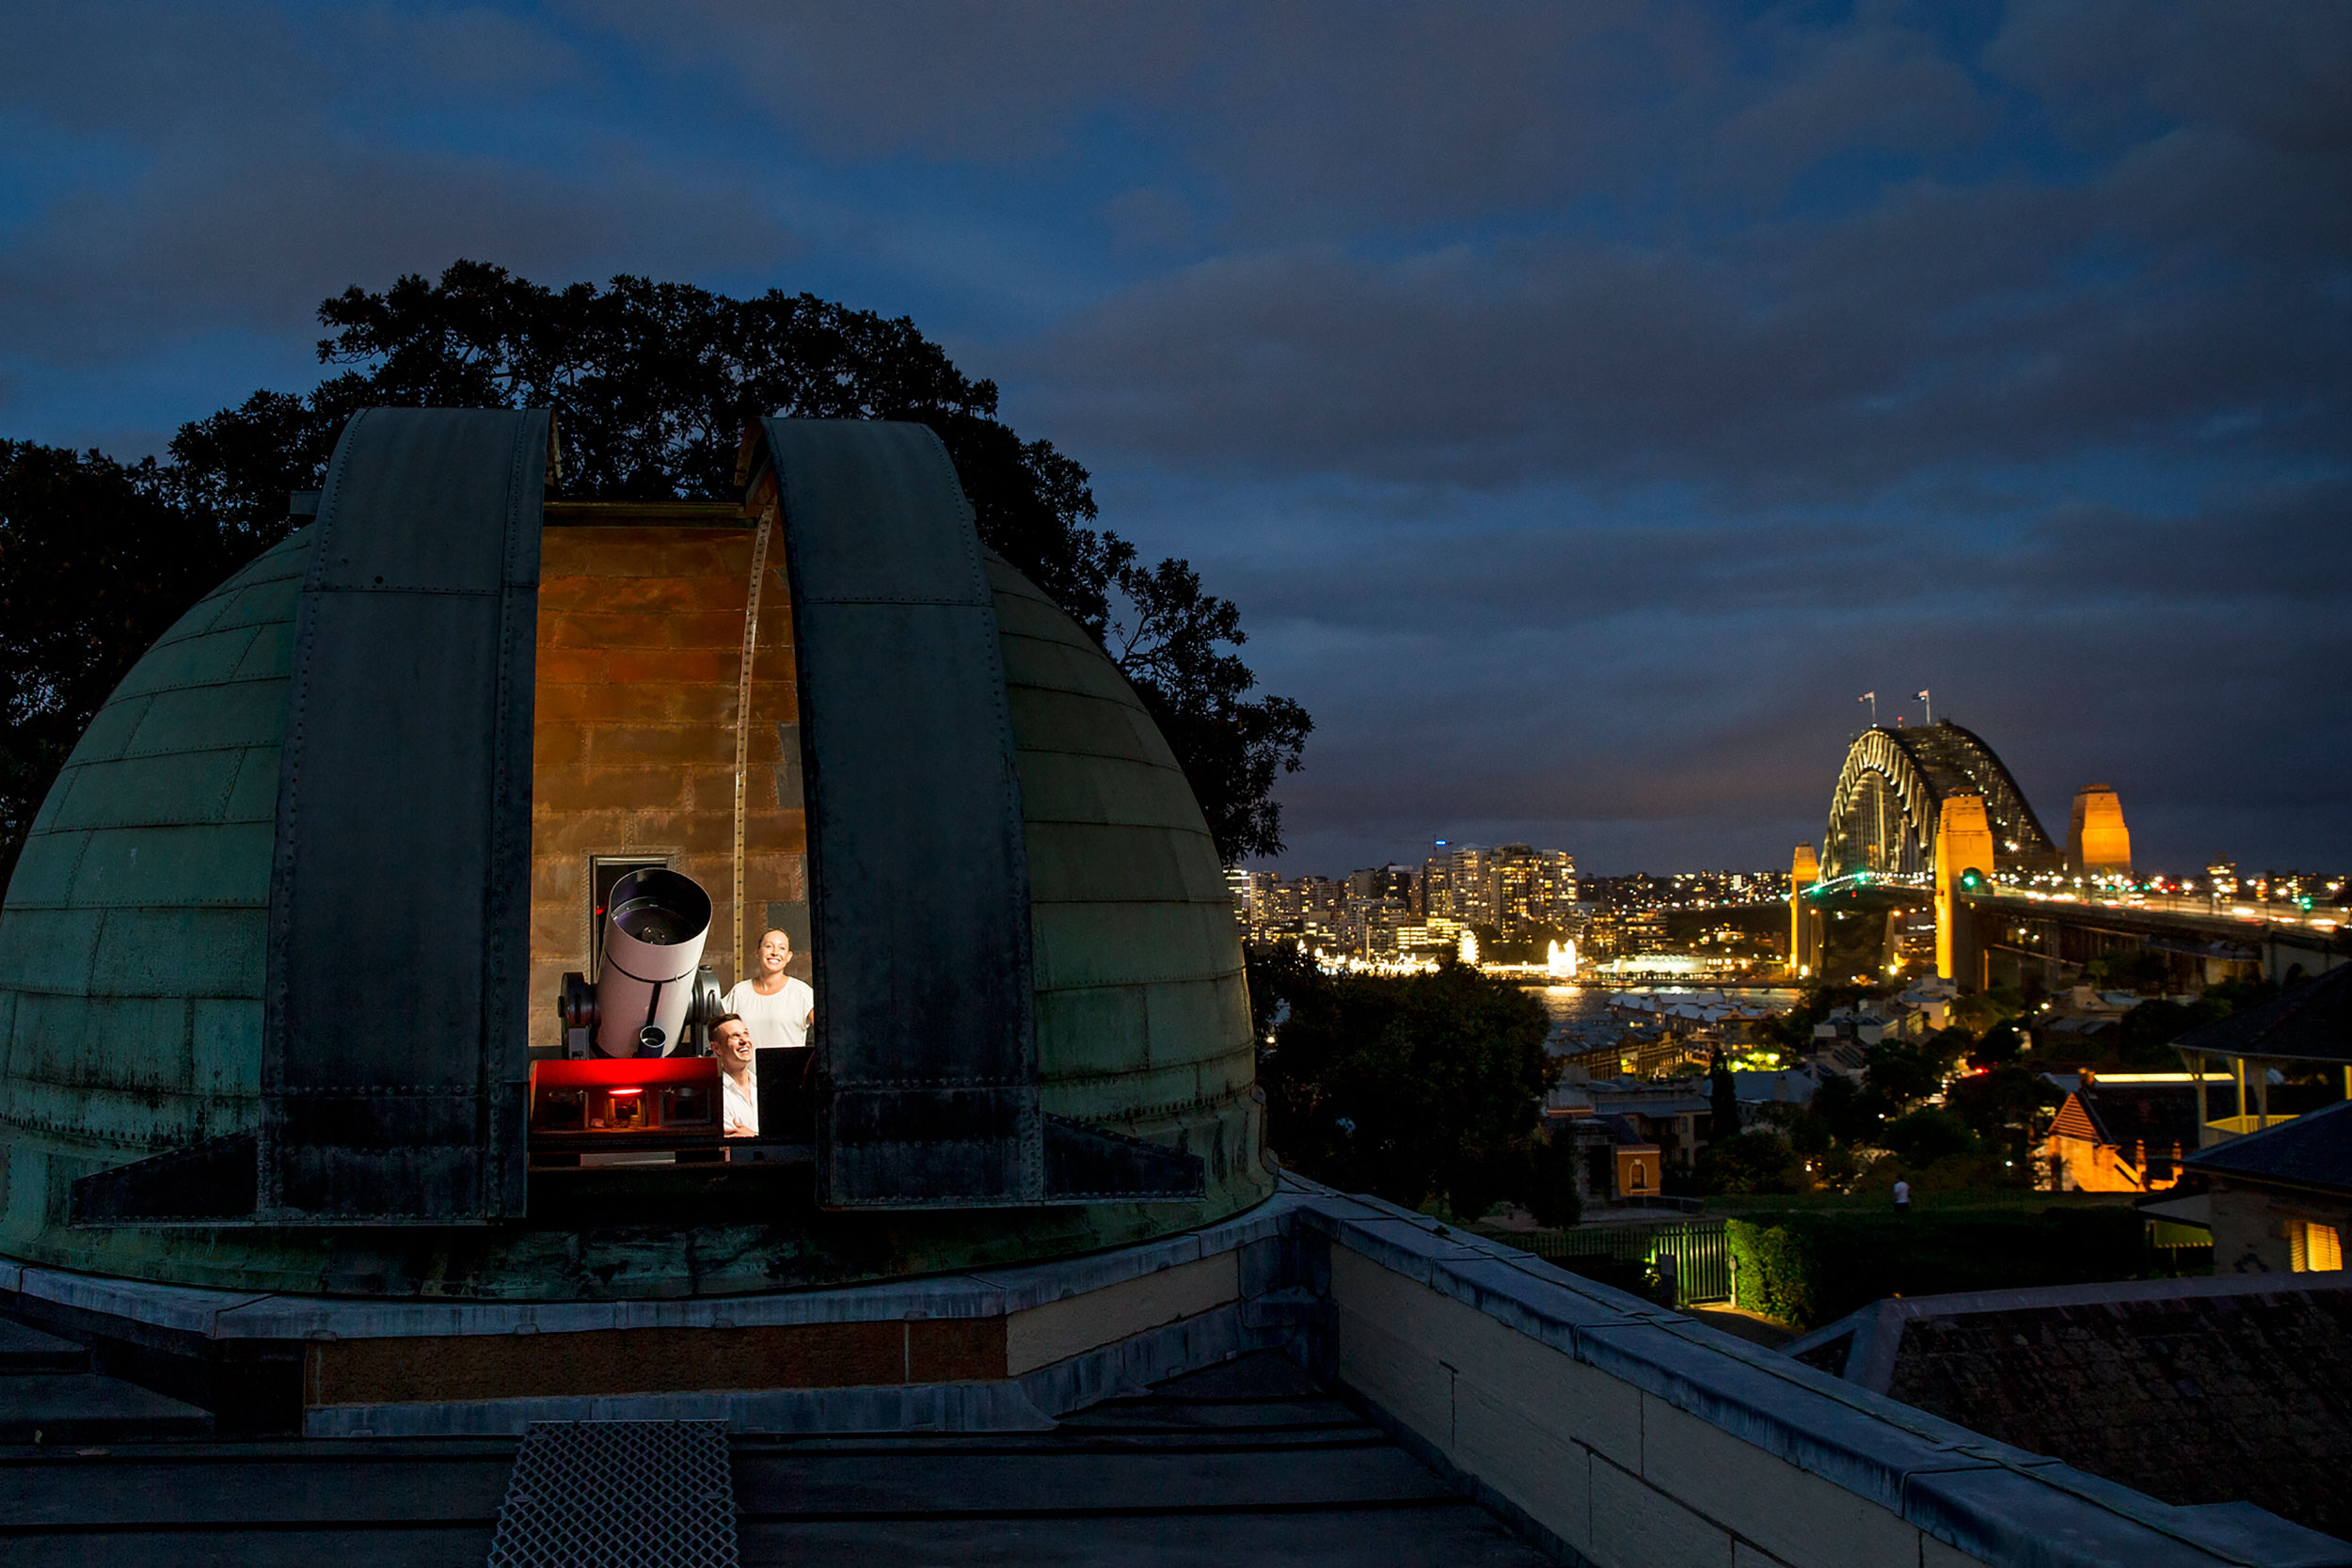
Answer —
131 942
132 960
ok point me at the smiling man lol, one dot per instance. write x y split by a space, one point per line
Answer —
739 1076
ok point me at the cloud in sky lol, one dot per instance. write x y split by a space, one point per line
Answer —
1583 402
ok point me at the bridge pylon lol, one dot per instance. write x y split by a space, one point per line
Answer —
1804 922
2096 839
1963 864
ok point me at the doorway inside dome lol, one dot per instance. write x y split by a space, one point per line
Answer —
670 899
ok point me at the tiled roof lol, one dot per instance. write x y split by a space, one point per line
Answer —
2312 1022
2159 1115
2192 1390
1789 1086
1625 1134
2086 1024
2312 1150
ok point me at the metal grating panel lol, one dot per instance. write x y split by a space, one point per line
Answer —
619 1494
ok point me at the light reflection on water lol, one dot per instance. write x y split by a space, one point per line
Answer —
1583 1011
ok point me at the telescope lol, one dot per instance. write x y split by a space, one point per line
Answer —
653 987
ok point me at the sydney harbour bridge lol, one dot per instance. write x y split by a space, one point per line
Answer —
1928 818
1885 816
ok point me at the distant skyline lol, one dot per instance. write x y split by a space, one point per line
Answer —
1584 405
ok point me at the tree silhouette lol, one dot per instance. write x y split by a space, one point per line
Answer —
652 384
96 561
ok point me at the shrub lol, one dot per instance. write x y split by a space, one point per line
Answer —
1773 1272
1751 1163
1806 1270
1924 1137
1551 1196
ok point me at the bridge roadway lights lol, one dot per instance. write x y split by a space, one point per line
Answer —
1964 847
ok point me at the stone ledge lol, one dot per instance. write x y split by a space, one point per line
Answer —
1997 1503
1039 1319
981 1293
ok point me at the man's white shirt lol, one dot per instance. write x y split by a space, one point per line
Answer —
740 1103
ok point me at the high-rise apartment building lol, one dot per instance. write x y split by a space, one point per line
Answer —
1385 881
1240 884
1473 883
1535 891
1436 887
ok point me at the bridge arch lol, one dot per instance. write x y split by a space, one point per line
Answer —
1890 795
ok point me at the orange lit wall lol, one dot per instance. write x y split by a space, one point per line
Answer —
641 643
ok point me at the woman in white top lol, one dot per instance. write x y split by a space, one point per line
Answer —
779 1008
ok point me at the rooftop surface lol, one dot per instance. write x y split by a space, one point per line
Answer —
2312 1022
1581 1418
2161 1116
2312 1150
2194 1391
1249 1462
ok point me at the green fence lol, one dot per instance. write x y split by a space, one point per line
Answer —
1701 1253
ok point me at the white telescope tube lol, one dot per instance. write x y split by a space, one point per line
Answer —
654 930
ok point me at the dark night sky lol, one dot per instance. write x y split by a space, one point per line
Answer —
1584 402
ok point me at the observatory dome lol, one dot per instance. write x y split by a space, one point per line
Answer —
192 949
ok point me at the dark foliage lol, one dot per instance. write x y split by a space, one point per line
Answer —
1980 1011
1845 1111
1906 1071
1410 1089
1172 643
1920 1138
2005 1105
2144 1037
1806 1270
2137 968
1749 1164
1552 1197
652 384
1723 1098
2002 1043
2237 996
1277 971
1791 1033
96 562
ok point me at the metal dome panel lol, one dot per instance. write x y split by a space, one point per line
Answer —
134 938
919 887
393 1044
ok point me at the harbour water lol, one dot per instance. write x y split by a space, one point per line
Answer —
1579 1014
